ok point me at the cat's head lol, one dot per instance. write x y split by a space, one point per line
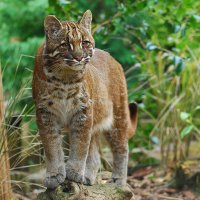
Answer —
69 43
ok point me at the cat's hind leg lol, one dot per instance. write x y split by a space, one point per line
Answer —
117 139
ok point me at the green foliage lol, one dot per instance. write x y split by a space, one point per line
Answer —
171 66
21 33
186 131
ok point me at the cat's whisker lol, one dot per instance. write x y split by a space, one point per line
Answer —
68 59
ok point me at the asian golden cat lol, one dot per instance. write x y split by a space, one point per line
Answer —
82 89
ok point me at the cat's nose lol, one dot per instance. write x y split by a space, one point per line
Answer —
78 58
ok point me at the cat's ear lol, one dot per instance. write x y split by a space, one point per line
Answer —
86 20
52 26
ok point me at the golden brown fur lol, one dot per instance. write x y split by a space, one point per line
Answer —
86 94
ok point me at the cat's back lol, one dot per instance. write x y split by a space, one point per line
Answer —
104 67
103 59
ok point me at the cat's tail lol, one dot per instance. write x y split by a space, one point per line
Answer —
133 109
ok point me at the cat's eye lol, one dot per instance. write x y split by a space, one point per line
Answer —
85 43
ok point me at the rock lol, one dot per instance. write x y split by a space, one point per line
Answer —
75 191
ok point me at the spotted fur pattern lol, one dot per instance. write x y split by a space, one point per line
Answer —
81 89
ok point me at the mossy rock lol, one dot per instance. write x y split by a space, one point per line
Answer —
76 191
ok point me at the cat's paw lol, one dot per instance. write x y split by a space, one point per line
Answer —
54 181
90 173
120 182
76 174
72 175
89 180
90 176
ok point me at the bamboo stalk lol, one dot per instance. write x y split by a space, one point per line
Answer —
5 181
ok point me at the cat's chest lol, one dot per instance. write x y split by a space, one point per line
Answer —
63 101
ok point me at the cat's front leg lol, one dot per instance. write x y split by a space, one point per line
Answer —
80 136
93 160
50 135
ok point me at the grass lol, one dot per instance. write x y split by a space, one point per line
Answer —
166 96
24 147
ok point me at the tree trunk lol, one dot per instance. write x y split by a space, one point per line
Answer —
5 182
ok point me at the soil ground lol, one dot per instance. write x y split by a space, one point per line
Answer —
151 183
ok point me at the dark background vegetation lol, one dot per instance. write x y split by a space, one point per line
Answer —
156 41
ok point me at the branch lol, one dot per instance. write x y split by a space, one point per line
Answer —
106 22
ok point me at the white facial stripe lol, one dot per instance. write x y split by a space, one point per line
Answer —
54 53
71 46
